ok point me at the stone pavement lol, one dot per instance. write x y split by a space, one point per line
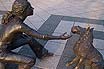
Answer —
56 17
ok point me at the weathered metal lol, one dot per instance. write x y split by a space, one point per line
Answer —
84 50
13 29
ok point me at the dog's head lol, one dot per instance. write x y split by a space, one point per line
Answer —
80 30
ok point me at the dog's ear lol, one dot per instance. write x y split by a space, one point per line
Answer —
79 27
92 29
87 27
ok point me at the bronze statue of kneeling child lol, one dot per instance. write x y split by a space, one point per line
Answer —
84 50
13 25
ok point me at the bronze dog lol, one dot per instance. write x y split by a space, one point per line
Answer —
84 49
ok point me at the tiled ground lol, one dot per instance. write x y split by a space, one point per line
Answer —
56 17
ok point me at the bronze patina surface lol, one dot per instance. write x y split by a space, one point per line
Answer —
14 33
84 50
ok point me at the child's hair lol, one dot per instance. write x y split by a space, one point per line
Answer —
6 17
